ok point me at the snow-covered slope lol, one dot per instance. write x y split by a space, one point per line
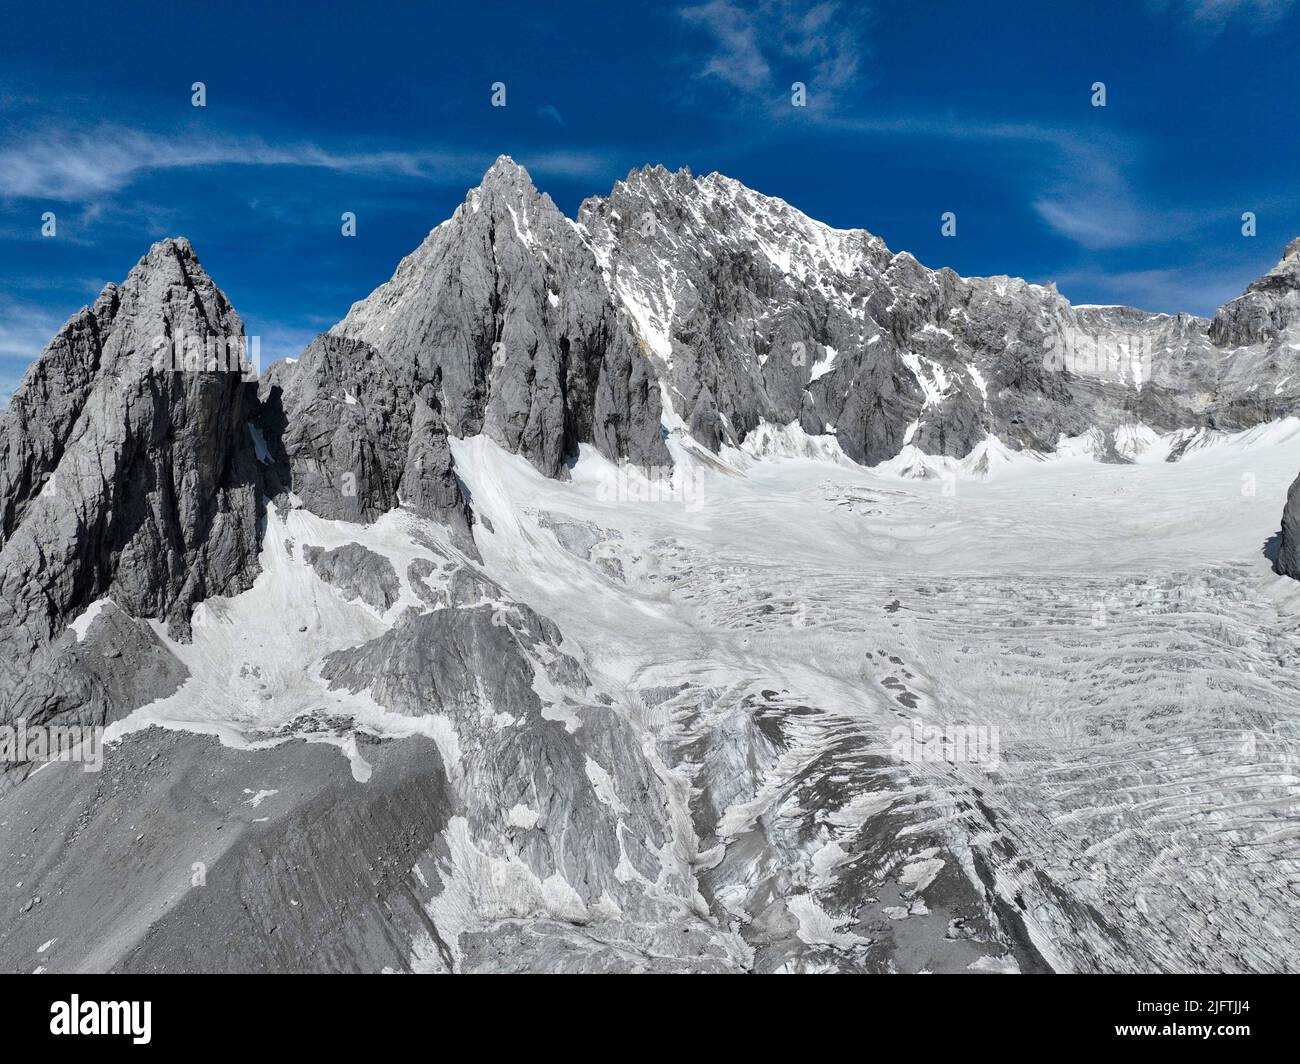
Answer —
716 765
688 587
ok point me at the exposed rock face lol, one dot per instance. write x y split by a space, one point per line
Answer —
356 438
345 455
429 485
357 572
561 781
91 679
123 476
1287 560
503 314
753 312
709 781
1269 307
1267 316
154 493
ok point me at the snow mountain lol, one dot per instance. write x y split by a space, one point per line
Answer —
690 586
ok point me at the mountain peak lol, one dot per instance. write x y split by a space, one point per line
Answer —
1286 274
169 246
506 171
1269 307
171 259
504 181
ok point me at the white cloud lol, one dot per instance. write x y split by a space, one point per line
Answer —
1082 182
25 329
86 165
1089 200
738 59
756 45
1215 14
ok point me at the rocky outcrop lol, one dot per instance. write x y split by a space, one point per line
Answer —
504 323
353 439
357 572
561 806
1286 562
1267 316
339 419
1267 309
150 484
128 472
429 485
753 312
90 678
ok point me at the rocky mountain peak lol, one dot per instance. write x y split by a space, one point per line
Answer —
1268 308
691 663
655 181
505 170
171 260
503 318
1286 273
123 474
505 182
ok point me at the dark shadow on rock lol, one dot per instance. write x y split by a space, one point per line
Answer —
1272 546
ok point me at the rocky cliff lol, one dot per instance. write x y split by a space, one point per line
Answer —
753 312
584 733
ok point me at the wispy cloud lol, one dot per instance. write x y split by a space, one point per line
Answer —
1080 191
1197 289
755 45
1216 14
25 329
824 35
738 59
1088 199
1082 184
552 112
83 166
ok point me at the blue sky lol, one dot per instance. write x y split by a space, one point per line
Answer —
983 109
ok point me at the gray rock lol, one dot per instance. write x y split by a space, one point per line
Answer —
577 799
340 420
151 485
354 440
357 572
503 313
118 666
753 312
454 661
429 483
577 537
1286 561
1267 309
